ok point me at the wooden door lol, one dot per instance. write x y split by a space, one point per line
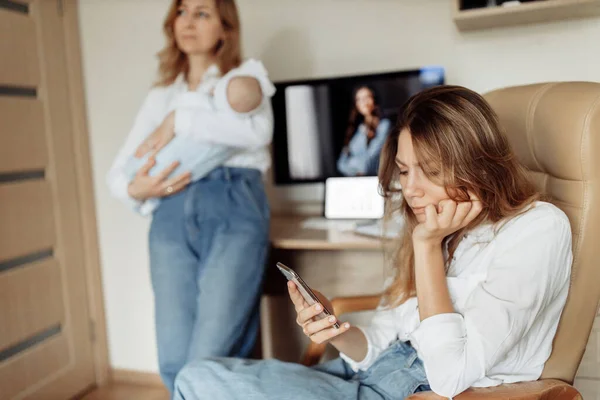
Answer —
45 332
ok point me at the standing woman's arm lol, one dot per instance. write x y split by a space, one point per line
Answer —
145 122
242 115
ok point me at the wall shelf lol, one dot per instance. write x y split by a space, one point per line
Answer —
524 13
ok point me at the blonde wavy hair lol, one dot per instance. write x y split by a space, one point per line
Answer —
458 130
172 61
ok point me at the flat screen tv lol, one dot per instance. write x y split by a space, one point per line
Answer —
335 127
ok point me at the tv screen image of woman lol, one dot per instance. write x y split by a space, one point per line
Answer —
335 127
365 135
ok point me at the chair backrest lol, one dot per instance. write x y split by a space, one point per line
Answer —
554 129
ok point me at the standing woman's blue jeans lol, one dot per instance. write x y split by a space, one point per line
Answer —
208 247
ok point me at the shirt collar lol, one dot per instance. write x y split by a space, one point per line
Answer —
487 230
482 233
212 73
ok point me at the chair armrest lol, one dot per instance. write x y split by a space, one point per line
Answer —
341 305
545 389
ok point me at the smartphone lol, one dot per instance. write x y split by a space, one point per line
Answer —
305 291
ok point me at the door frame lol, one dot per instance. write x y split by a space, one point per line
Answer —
85 189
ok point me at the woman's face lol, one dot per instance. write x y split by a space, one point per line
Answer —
364 101
418 190
198 27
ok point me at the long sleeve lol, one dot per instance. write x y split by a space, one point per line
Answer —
364 159
386 326
349 163
194 156
146 121
526 286
343 165
374 148
223 125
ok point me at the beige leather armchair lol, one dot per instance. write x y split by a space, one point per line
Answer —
554 129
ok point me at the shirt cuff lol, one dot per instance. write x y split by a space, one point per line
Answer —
437 331
119 185
148 206
370 357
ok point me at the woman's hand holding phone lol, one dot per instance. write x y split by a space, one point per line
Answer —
317 330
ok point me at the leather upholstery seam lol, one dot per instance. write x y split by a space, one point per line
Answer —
529 123
585 179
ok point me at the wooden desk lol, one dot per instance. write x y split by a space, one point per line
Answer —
334 262
288 233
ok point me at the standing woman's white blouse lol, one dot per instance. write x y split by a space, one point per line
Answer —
508 290
205 116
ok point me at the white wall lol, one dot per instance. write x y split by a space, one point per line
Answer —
296 39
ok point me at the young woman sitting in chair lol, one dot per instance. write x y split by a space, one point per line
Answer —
482 275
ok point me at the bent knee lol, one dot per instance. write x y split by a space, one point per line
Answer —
194 382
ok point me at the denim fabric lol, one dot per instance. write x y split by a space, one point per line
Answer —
362 158
197 158
208 247
396 374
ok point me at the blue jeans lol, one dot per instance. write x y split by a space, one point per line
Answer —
208 247
396 374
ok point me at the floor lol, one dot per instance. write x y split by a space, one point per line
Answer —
122 391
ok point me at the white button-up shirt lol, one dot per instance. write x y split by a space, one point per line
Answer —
205 123
508 289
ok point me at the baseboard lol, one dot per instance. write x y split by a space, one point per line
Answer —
136 377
